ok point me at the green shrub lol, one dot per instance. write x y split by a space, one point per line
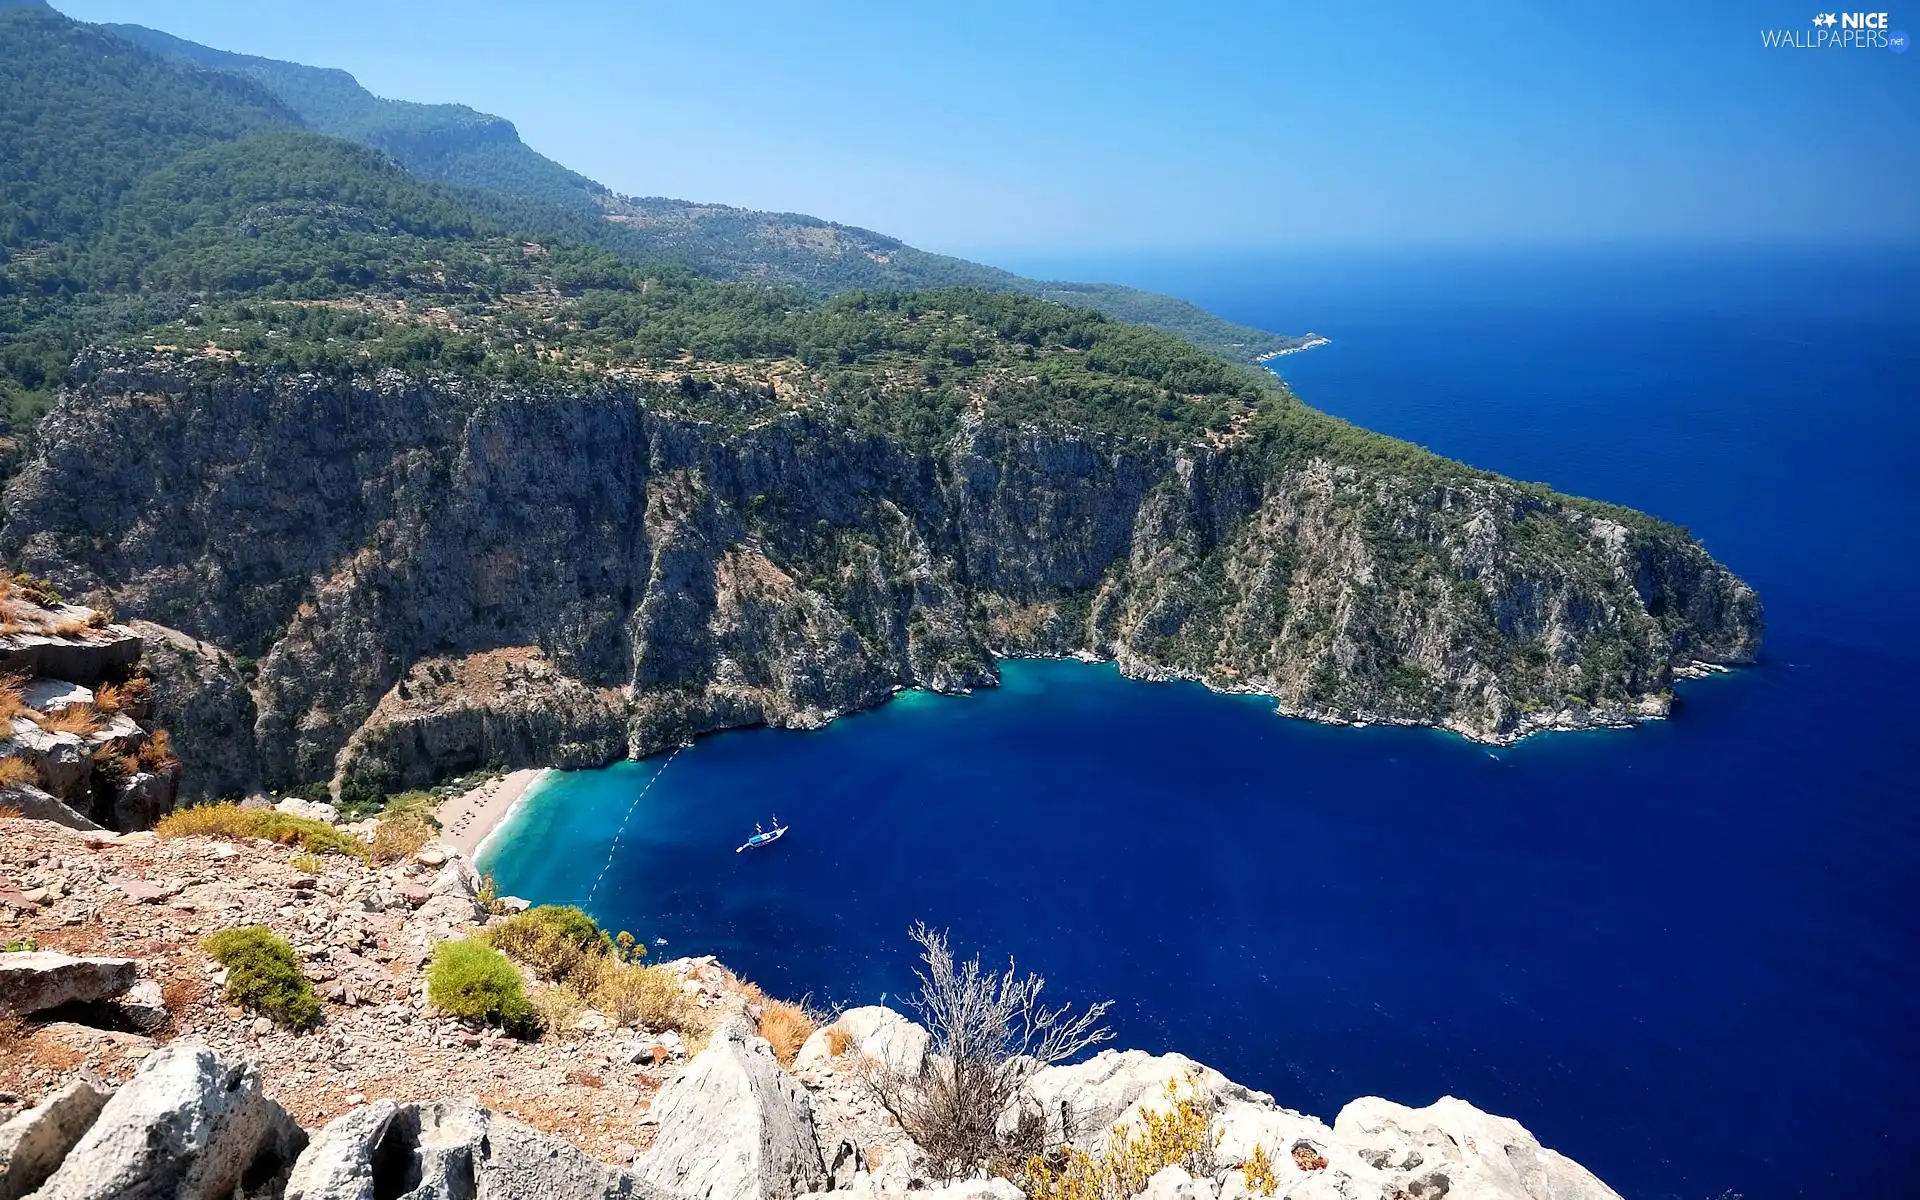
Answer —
473 981
558 943
263 975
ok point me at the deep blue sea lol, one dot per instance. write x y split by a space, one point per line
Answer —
1684 954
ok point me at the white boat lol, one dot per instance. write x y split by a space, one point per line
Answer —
763 837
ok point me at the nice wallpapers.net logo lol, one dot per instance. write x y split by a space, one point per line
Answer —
1839 31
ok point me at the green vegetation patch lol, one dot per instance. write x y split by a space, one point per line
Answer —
264 975
473 981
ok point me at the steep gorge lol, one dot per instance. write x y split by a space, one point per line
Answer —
385 578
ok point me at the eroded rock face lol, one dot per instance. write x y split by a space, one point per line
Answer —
200 698
453 1150
679 579
1374 1149
38 980
33 1144
189 1125
1082 1101
734 1125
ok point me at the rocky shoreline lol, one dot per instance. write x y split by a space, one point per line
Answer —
115 1032
1309 342
447 587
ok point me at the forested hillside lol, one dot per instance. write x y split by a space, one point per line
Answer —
453 144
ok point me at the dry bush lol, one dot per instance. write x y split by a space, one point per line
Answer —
115 765
786 1027
838 1040
988 1032
73 627
400 836
16 771
82 719
233 821
559 1006
36 589
100 618
645 996
156 752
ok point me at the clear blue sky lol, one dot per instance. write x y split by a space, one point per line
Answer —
988 126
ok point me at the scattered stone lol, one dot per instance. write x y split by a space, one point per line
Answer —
141 891
37 980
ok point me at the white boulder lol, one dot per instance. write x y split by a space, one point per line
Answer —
734 1126
33 1144
189 1125
34 981
872 1032
451 1150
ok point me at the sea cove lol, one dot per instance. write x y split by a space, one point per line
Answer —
1680 953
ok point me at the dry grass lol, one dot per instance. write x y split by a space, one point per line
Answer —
156 752
11 703
399 836
73 627
119 697
786 1027
16 771
81 719
9 813
234 822
838 1040
13 1029
100 618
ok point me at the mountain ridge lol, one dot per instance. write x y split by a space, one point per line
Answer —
454 144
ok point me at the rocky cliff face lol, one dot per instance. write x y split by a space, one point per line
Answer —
412 578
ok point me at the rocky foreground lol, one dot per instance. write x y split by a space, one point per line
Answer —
124 1073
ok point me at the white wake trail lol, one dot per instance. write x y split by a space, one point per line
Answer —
614 849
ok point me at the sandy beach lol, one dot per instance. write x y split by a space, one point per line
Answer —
467 819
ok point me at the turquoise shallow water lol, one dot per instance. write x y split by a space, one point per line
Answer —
1683 954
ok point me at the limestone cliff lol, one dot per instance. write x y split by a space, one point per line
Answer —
630 576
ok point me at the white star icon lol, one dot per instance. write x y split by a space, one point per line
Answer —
1827 19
